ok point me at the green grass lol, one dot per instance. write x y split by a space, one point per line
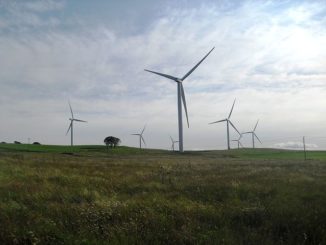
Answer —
261 153
63 149
123 150
128 196
280 154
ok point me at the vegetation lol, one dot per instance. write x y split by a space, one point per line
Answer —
86 195
111 141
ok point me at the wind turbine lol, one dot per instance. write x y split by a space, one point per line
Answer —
173 142
228 121
238 141
71 126
253 135
181 96
141 138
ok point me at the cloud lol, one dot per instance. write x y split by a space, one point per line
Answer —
24 16
265 55
43 6
294 145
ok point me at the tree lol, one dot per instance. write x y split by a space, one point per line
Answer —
111 141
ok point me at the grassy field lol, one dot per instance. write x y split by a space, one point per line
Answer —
86 195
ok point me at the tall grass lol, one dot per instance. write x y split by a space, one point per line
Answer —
156 197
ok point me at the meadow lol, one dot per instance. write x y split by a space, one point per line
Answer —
88 195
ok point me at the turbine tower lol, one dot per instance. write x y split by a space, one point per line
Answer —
141 138
71 126
238 141
228 121
173 142
181 96
253 135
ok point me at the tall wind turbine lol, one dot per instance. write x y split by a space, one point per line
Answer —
253 135
238 141
141 138
228 121
181 96
71 125
173 142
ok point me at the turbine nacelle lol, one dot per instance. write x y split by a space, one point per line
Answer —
240 137
173 142
228 121
72 119
181 95
253 135
141 138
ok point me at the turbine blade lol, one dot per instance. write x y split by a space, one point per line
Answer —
231 109
257 138
164 75
194 68
171 139
69 128
78 120
135 134
143 130
184 102
247 133
255 126
240 144
234 127
142 139
218 121
72 114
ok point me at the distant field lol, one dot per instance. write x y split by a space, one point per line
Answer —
63 149
86 195
241 153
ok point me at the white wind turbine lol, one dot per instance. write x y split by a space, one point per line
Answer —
71 125
238 141
253 135
173 142
141 138
228 121
181 96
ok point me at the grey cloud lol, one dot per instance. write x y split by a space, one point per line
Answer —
43 6
294 145
24 16
102 72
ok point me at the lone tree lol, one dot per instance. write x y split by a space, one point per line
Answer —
111 141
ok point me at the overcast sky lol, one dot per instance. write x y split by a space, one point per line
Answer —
269 55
